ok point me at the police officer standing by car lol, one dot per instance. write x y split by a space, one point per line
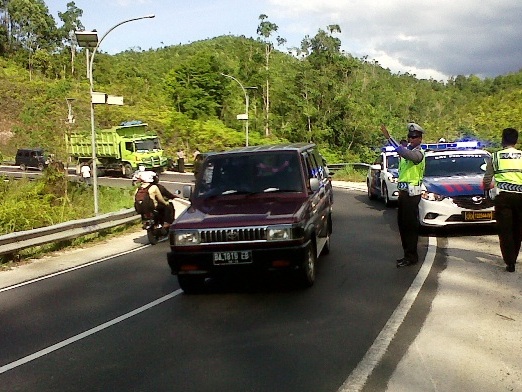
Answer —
506 167
411 173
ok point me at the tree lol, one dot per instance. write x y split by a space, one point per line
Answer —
265 30
195 86
71 23
32 26
4 27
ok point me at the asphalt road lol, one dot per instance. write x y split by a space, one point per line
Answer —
239 336
121 323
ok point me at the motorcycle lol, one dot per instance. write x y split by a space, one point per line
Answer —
155 230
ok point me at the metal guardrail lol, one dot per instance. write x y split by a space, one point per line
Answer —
338 166
14 242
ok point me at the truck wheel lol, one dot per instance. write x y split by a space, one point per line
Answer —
306 274
40 166
191 284
127 171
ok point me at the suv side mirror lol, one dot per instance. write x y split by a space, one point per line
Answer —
187 191
314 184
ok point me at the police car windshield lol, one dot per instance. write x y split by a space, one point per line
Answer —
393 162
455 165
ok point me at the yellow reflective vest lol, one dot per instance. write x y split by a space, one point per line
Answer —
507 166
410 172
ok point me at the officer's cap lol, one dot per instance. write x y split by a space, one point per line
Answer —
412 127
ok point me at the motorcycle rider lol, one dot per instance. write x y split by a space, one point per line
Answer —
160 204
167 195
136 177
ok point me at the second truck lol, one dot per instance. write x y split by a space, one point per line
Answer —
121 149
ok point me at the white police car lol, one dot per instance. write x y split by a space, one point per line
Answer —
452 187
382 176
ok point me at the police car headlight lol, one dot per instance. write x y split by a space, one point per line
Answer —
393 179
432 196
184 238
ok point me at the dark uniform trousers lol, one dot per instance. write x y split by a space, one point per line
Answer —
408 220
508 213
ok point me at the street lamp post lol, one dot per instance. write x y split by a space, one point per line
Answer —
87 40
245 116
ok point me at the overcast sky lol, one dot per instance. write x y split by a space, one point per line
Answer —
429 38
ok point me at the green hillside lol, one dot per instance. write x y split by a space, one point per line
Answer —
317 93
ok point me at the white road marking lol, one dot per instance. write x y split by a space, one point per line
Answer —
87 333
357 379
71 269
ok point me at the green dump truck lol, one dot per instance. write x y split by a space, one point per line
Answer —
119 149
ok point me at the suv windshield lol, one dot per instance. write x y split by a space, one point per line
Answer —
276 171
455 165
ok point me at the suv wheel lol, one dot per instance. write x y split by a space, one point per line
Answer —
326 248
23 167
191 284
307 271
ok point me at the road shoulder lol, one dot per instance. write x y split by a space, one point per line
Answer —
472 337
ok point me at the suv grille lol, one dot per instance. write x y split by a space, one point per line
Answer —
246 234
477 202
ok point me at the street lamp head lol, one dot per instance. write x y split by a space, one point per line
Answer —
86 39
150 16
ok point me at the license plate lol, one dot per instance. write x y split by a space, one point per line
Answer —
233 257
470 216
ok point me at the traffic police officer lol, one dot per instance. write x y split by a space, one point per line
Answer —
506 167
411 174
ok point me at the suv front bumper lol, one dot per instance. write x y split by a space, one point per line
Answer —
262 260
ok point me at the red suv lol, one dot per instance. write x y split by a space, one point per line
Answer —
253 210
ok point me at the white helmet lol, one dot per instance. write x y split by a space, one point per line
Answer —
147 176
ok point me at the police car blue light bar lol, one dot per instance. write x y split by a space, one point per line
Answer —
388 149
468 145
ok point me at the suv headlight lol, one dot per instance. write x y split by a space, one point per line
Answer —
186 237
432 196
283 233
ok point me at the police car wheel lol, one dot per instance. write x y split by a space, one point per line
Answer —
386 195
371 196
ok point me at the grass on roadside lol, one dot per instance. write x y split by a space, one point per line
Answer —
351 174
27 204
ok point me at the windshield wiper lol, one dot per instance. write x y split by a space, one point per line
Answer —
279 190
237 192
